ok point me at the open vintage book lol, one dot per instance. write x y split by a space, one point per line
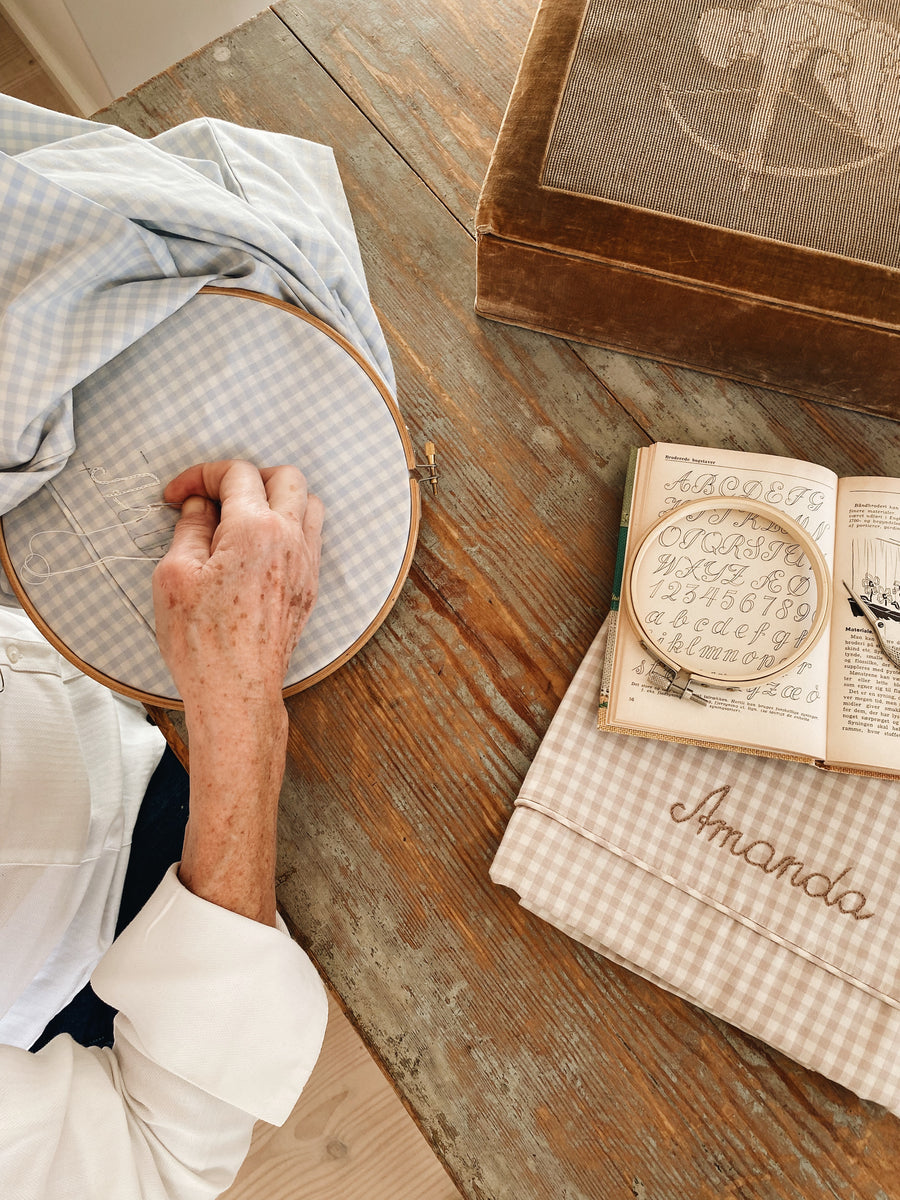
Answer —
728 592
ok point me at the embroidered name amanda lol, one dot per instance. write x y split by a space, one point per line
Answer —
764 856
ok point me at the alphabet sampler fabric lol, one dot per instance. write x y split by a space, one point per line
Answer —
763 891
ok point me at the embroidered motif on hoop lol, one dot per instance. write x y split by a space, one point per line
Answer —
139 517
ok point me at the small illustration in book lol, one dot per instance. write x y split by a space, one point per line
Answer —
875 578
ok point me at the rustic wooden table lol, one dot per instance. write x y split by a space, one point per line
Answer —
536 1068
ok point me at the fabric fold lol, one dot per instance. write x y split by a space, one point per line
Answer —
106 234
175 943
762 891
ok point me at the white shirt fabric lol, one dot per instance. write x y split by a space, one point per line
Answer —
220 1022
220 1018
75 761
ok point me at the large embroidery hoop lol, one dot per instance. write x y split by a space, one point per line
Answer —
230 374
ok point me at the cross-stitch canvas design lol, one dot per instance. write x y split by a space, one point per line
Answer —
223 377
779 118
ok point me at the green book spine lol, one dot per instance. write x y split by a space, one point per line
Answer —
613 620
623 532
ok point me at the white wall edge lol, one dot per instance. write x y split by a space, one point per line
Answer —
79 78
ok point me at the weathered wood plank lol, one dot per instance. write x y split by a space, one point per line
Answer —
677 404
535 1067
348 1137
433 78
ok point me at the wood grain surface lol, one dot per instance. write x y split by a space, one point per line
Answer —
21 74
538 1070
348 1137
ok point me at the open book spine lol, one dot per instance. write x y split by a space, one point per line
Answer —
618 575
820 764
658 736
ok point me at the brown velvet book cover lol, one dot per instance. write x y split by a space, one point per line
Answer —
712 186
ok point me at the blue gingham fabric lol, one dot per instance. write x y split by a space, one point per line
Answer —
104 234
116 372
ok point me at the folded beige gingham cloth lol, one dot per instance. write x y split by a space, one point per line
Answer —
766 892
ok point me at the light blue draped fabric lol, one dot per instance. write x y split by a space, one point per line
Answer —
117 372
104 234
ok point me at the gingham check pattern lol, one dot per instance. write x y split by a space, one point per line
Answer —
104 234
223 377
592 847
112 367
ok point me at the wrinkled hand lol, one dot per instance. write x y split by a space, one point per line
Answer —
239 581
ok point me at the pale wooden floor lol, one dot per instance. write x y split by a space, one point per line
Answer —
23 77
349 1137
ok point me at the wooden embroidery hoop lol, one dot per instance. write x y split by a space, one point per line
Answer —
686 674
167 702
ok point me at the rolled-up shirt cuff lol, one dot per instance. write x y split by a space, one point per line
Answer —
232 1006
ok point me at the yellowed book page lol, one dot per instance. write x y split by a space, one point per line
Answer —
743 595
864 717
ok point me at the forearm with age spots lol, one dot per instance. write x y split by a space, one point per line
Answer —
231 598
236 771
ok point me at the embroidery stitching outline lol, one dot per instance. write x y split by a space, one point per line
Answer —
786 866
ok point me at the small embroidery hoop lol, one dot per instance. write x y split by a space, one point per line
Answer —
683 676
31 602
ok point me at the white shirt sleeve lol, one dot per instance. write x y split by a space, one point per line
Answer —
220 1022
